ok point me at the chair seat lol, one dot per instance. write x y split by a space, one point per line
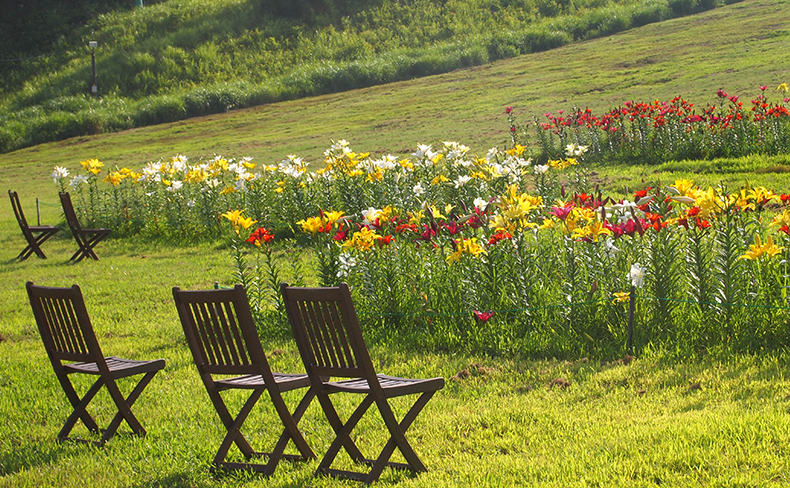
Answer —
42 228
391 385
118 366
285 382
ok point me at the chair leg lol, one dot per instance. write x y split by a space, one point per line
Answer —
26 253
34 245
90 243
398 437
342 432
233 426
86 245
337 426
40 240
79 405
124 409
80 252
291 430
234 433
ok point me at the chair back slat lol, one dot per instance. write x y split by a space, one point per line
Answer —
70 213
328 336
220 330
18 213
219 336
63 323
327 330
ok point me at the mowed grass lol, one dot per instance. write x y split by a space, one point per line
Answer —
501 421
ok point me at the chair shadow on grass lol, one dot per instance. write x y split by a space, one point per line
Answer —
226 477
174 480
31 453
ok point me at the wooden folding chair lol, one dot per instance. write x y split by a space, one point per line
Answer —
34 234
330 342
86 238
223 339
68 336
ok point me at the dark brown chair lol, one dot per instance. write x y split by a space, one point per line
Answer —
34 234
86 238
68 336
223 339
330 342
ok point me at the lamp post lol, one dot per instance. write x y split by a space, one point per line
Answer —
94 88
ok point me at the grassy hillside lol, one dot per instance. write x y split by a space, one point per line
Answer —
653 62
179 59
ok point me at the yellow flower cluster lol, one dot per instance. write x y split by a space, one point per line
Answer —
345 162
92 165
711 202
466 246
560 164
322 223
759 250
115 177
621 296
515 210
592 230
781 219
363 240
238 221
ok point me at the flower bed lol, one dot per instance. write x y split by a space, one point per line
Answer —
656 132
492 253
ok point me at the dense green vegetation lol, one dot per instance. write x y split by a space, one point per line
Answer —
36 29
180 59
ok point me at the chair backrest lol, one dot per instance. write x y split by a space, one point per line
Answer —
69 213
64 323
221 332
20 215
327 331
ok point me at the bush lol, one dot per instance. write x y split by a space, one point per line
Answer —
650 12
158 110
12 135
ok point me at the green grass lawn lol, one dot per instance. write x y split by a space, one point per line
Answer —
499 422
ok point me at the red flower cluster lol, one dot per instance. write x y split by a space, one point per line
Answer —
660 114
260 235
498 237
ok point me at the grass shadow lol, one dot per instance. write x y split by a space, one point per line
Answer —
20 456
175 480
